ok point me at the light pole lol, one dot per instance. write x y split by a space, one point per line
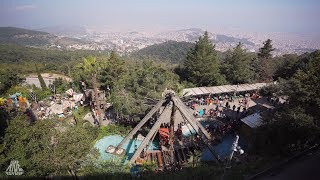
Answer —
234 148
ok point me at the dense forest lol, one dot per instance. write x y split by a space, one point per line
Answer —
23 59
52 147
172 51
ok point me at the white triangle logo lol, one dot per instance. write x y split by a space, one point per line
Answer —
14 168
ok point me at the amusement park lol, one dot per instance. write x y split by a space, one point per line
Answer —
178 104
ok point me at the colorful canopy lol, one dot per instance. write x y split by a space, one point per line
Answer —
164 132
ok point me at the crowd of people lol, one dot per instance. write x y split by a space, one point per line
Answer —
224 108
216 106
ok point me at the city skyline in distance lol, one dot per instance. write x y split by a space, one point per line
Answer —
295 16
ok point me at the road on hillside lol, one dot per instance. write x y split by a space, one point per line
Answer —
304 168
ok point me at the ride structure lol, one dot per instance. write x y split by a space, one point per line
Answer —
167 118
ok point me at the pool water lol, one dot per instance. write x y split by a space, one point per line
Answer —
223 149
114 140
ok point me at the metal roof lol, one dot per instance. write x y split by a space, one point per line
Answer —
187 92
253 121
221 89
216 90
204 90
197 91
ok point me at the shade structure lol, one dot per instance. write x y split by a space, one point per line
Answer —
253 120
198 91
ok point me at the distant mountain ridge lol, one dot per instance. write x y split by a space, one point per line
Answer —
32 38
73 37
132 41
125 43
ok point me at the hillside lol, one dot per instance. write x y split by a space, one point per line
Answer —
232 40
172 51
33 38
23 59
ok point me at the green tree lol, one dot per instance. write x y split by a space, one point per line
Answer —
202 64
113 71
286 67
265 51
295 125
42 83
29 144
264 66
288 130
46 147
90 68
72 147
237 66
142 80
60 85
8 79
303 88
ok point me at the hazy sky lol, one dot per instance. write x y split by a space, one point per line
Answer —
242 15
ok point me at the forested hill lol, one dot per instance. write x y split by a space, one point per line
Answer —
23 59
33 38
173 51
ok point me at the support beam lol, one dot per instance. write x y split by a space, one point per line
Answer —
196 125
153 130
141 123
151 140
171 131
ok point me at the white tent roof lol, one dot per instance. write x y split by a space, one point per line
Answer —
221 89
253 121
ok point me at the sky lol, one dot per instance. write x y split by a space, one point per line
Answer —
299 16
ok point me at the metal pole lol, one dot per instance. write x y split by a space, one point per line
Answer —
233 148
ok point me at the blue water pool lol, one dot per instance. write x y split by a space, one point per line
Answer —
223 149
114 140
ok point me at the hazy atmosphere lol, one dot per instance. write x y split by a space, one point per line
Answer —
230 15
160 90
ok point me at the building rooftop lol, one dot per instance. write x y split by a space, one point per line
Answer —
197 91
253 120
